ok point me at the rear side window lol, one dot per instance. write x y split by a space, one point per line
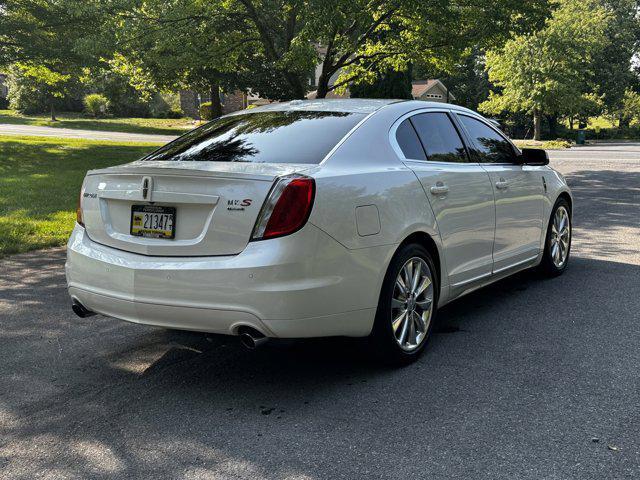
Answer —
490 146
262 137
409 142
439 138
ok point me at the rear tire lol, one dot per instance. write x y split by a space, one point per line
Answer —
407 306
557 246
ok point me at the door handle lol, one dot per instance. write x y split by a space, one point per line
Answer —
502 184
439 189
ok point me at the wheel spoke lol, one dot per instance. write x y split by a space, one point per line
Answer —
398 321
401 285
403 333
408 276
425 304
416 277
563 223
395 303
423 286
412 331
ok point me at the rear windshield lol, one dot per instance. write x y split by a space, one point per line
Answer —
262 137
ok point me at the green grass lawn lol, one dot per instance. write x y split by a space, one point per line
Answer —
546 145
161 126
40 180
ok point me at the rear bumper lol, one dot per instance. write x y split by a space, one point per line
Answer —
304 285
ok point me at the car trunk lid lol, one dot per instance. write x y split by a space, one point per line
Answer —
215 203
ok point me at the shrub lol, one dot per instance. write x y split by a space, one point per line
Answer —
4 103
96 104
173 114
206 111
165 105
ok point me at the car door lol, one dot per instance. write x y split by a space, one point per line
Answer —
459 192
519 194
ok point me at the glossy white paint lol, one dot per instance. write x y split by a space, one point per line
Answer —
324 279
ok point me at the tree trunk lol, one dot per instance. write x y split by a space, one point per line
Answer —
624 121
216 105
537 125
571 122
553 126
323 86
53 113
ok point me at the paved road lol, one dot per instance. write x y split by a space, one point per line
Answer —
31 130
526 379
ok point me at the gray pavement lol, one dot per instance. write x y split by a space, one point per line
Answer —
526 379
32 130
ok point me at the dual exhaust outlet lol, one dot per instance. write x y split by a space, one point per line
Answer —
250 338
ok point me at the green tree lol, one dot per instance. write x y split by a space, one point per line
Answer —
188 44
272 46
363 37
547 72
42 40
36 88
613 75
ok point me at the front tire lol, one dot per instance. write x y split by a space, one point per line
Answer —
558 242
407 306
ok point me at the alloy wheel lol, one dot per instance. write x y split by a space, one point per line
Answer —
560 237
412 304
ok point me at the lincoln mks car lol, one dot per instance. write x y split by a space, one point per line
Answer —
318 218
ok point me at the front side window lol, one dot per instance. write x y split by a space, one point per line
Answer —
490 146
439 137
262 137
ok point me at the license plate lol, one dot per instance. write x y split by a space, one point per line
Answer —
154 222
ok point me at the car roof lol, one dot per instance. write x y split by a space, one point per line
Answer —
351 105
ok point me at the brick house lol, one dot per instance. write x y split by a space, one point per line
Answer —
190 101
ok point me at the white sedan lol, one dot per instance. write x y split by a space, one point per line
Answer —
317 218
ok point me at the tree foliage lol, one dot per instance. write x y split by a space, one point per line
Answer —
558 69
269 46
389 84
36 88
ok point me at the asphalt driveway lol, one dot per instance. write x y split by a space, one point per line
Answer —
526 379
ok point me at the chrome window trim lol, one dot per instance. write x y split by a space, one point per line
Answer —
482 120
396 147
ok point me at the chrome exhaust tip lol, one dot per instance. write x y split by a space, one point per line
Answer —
252 339
80 310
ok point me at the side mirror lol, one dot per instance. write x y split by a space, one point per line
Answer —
534 156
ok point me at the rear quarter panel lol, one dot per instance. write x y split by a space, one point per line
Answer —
363 171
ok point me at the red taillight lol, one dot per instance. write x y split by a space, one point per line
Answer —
79 217
287 208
